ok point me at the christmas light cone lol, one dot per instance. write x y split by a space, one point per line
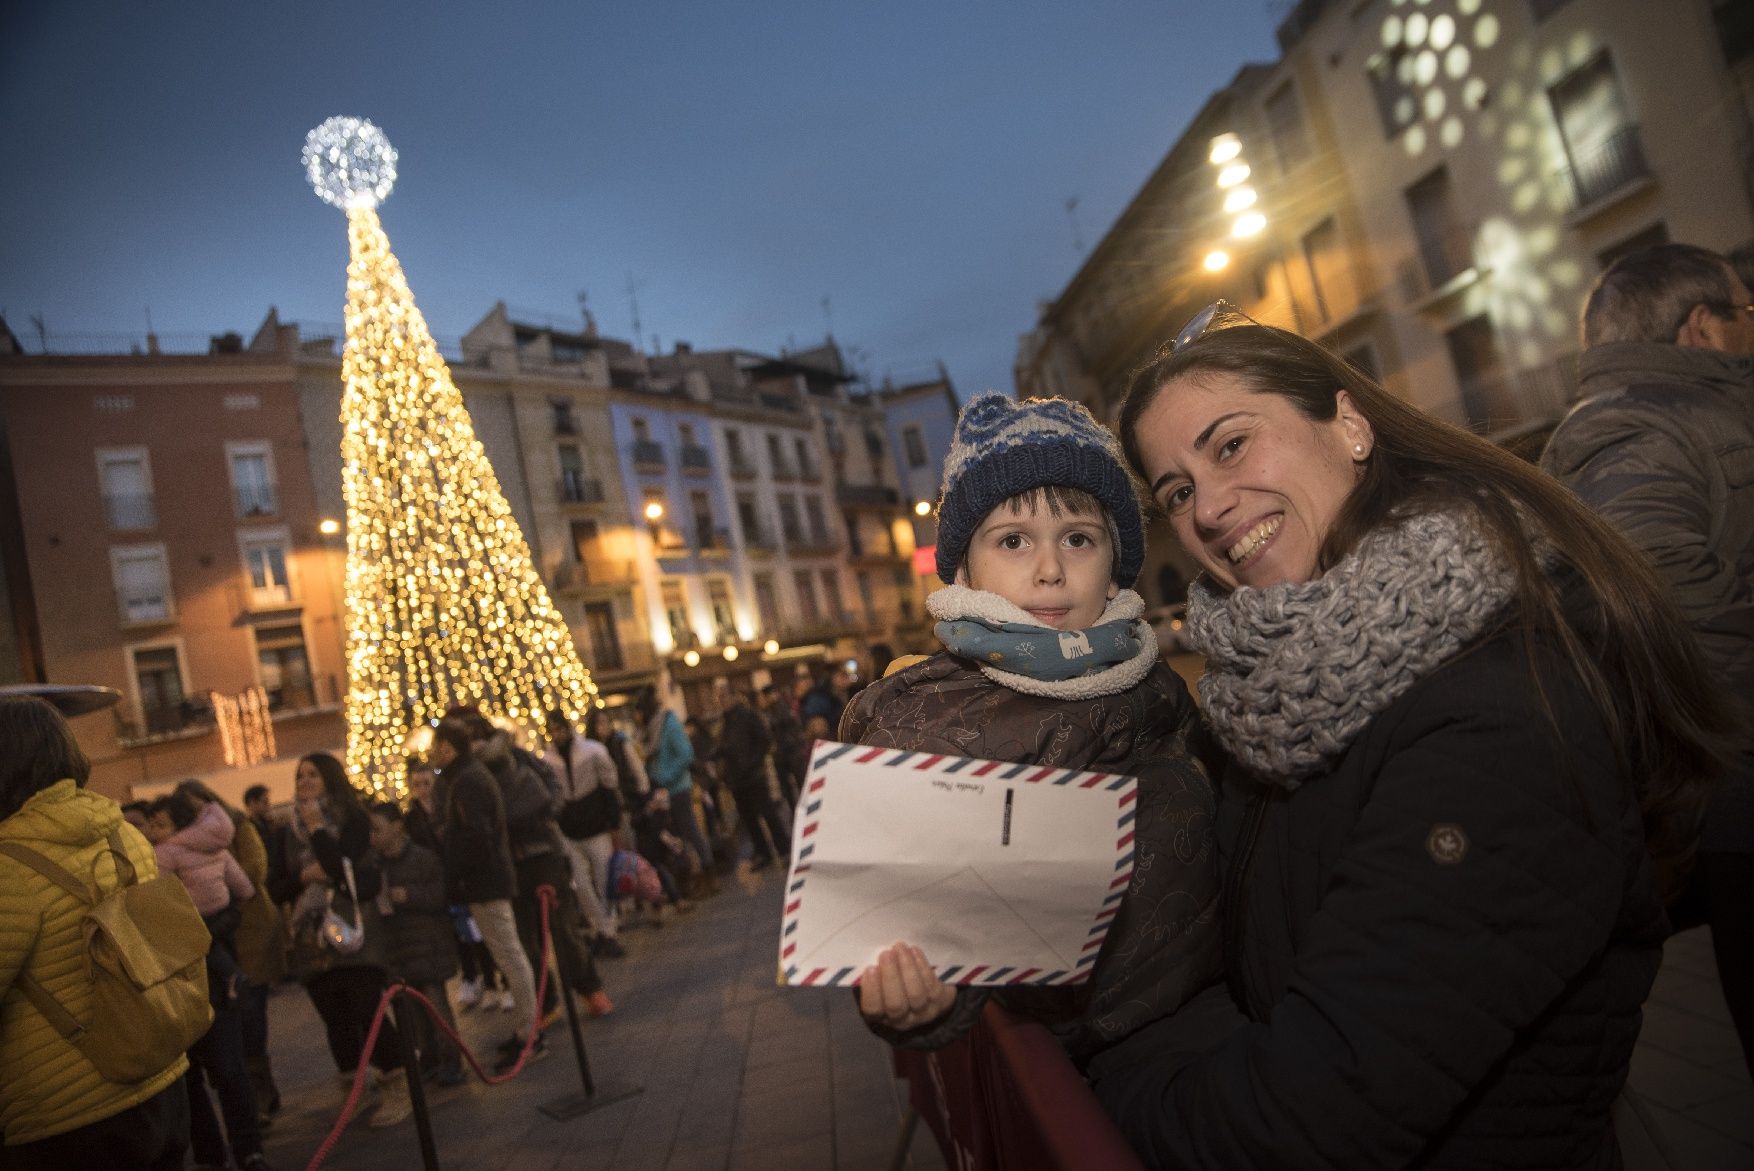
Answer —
443 602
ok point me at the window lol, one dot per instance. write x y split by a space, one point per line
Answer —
126 479
584 540
605 642
789 518
748 520
914 440
252 478
805 467
1392 74
1327 275
1479 371
158 679
283 666
718 596
1600 139
873 442
767 603
563 420
143 583
676 612
701 505
904 590
867 598
855 543
1446 247
642 431
1363 359
807 603
265 566
818 525
686 431
776 458
1286 124
831 593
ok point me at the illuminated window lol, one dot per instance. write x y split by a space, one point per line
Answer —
158 679
718 596
676 613
284 667
605 640
265 566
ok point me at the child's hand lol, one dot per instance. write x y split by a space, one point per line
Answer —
902 991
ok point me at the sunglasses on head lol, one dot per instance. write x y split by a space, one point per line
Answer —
1200 323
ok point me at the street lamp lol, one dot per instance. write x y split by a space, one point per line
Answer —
922 508
654 511
328 526
771 646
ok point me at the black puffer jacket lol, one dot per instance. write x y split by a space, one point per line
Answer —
1163 946
1441 944
419 945
477 854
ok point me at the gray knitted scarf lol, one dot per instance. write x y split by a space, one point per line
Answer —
1295 672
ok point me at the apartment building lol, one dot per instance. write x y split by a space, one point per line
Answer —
1428 189
167 526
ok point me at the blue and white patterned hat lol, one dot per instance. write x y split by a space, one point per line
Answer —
1002 448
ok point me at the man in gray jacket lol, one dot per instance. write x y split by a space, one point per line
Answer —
1662 445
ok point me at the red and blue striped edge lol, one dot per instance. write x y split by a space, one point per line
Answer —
822 752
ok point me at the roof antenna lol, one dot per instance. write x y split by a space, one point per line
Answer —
1072 215
633 300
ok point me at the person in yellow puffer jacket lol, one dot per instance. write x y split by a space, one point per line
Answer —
56 1110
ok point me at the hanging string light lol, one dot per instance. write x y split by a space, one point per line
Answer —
443 602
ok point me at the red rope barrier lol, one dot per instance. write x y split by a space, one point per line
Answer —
545 897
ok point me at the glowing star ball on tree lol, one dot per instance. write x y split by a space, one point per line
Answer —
444 605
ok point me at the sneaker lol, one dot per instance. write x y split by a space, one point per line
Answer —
506 1003
597 1004
607 947
510 1050
468 994
394 1104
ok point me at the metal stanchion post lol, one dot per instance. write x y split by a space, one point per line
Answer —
416 1091
592 1097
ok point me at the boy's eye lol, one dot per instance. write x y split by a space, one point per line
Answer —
1011 541
1079 540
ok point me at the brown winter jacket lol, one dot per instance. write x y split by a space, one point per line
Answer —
1163 946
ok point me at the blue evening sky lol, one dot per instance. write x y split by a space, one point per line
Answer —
908 159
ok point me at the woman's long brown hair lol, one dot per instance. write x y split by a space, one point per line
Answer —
1626 641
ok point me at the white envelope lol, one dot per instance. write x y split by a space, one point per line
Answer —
1000 873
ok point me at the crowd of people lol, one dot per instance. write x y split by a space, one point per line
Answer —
346 896
1472 741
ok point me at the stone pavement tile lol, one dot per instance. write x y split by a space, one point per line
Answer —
1699 1148
809 1153
1675 1082
1696 1038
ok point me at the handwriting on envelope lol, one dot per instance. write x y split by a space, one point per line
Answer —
1001 873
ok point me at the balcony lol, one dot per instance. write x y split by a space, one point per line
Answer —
1445 257
132 510
168 719
710 540
577 488
696 460
813 543
1607 169
648 455
867 496
254 500
571 577
620 658
758 541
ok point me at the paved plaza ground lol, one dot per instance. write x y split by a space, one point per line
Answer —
739 1073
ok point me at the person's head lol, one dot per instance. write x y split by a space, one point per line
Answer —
803 684
170 813
322 777
559 728
257 802
136 813
201 795
451 742
37 749
816 728
1274 458
421 781
1674 294
1037 507
389 836
597 725
646 704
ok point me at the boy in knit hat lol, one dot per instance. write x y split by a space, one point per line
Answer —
1048 660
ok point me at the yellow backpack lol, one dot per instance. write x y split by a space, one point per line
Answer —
146 958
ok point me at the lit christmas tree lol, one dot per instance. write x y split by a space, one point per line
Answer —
443 602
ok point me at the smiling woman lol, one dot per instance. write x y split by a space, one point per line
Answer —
1470 739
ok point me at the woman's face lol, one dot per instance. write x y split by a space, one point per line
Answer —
1251 484
307 782
420 783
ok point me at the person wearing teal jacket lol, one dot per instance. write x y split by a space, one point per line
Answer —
669 756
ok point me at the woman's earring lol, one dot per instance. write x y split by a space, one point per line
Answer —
1358 450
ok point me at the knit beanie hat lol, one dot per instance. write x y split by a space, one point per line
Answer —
1002 448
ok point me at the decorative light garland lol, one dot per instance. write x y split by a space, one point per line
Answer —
443 602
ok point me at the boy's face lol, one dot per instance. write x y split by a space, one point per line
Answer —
1058 568
159 827
257 806
388 837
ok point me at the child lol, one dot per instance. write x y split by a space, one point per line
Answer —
416 921
1048 661
195 845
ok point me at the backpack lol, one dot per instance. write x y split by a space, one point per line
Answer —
146 958
632 877
529 797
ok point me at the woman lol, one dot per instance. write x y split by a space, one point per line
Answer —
261 943
1470 742
330 824
56 1109
669 757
